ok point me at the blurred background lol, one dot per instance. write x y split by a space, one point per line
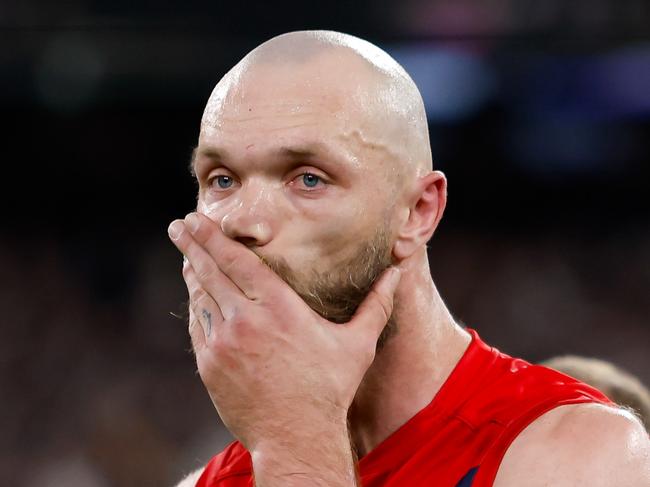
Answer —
539 114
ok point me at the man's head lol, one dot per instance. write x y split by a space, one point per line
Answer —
314 152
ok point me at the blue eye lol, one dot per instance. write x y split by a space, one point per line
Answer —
224 182
310 180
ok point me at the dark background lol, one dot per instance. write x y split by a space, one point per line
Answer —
539 115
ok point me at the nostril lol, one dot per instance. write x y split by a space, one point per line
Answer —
247 241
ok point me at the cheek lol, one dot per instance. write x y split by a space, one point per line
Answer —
314 235
330 239
213 211
217 210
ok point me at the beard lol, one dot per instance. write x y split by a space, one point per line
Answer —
337 293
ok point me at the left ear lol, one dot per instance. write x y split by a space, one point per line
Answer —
425 208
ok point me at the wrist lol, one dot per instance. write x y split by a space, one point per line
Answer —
322 457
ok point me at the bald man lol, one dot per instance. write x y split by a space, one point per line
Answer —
318 332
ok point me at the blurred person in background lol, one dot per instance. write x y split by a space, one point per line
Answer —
620 386
318 331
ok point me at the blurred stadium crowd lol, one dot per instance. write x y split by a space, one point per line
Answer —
539 114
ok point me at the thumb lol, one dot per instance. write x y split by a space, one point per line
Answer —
373 313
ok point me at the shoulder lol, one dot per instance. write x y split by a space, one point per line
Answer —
582 444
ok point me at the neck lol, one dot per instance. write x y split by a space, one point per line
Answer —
414 363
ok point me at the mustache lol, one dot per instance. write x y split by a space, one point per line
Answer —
336 294
336 303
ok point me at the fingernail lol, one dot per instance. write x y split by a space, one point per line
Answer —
192 221
175 229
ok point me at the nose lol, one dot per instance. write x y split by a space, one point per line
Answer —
249 221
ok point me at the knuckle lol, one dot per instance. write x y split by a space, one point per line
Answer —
203 232
194 327
213 242
239 322
247 274
228 258
188 271
222 346
241 325
204 273
197 294
227 348
192 323
200 293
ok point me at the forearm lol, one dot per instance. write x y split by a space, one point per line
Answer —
324 460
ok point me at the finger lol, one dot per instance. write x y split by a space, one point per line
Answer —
197 333
240 264
203 309
206 270
375 311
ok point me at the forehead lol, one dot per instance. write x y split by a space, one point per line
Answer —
324 104
302 131
332 84
268 110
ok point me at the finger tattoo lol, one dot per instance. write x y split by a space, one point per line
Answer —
207 316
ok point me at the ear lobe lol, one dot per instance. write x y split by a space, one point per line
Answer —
425 211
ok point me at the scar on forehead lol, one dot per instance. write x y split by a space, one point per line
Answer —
357 138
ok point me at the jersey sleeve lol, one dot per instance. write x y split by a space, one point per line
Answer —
230 468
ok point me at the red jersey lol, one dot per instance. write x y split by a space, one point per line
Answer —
459 439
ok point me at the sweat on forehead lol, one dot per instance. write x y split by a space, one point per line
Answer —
351 76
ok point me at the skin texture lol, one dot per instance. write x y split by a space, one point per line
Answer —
579 445
279 373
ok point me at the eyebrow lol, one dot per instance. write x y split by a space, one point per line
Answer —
211 153
299 152
296 153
